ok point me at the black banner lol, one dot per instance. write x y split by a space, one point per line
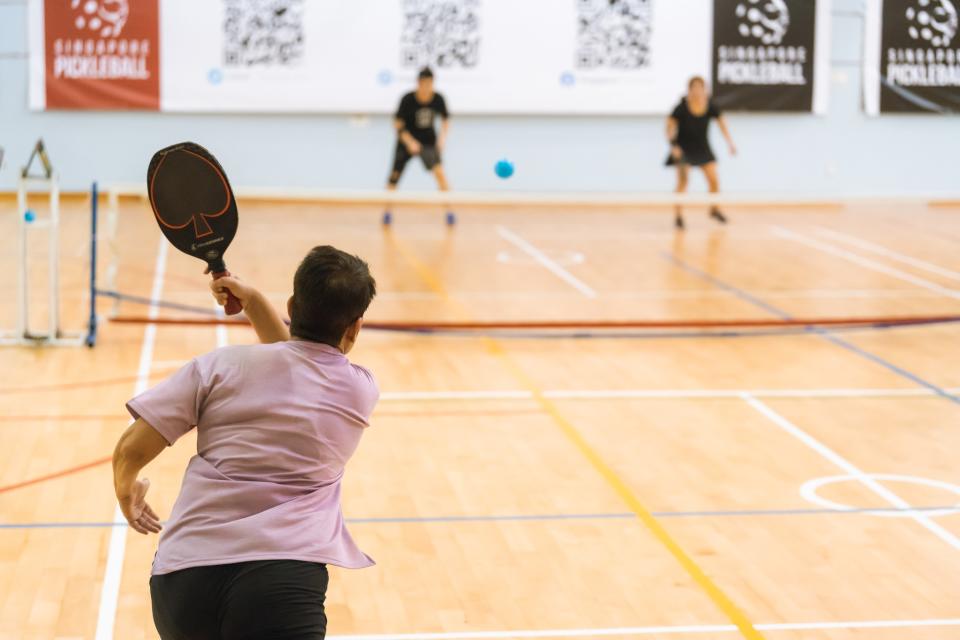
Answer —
919 56
763 54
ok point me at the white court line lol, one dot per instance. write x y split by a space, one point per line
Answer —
402 396
222 339
867 263
872 247
110 591
683 394
661 630
546 261
854 471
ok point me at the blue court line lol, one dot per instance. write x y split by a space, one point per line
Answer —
544 517
823 333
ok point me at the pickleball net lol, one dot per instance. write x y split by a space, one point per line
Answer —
475 279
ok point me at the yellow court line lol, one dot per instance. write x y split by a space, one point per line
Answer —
716 595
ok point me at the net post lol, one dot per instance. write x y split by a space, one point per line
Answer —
91 339
111 223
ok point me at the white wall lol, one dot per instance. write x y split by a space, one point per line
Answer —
843 152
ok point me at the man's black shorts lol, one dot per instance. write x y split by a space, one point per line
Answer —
276 599
429 156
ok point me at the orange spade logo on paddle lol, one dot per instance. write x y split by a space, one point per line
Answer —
187 189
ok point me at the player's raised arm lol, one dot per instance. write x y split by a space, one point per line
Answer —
268 324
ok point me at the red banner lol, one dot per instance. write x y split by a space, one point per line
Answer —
102 54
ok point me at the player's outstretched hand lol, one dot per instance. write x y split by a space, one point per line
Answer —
142 518
241 290
414 147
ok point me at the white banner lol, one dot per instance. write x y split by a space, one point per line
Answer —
490 56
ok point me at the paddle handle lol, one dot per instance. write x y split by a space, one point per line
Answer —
233 306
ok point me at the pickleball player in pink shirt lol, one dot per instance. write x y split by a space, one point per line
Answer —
244 552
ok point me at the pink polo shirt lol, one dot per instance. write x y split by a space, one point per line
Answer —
276 424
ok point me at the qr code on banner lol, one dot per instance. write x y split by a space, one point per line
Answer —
614 33
263 33
444 33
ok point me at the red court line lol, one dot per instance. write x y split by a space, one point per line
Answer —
600 324
58 474
86 384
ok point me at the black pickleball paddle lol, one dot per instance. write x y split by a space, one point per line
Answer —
194 206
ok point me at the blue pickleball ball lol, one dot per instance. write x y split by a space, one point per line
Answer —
503 168
29 216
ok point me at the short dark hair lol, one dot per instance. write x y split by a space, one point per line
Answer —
331 289
696 80
425 73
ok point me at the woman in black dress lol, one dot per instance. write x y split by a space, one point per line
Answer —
687 130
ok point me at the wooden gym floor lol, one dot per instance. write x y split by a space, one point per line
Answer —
780 484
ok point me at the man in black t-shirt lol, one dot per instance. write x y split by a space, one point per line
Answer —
416 135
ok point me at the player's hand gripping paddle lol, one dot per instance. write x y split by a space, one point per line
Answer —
194 205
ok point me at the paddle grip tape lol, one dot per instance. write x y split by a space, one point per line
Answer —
233 306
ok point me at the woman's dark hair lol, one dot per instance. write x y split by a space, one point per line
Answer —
696 80
331 289
425 73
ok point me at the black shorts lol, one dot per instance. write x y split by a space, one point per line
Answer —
277 599
429 156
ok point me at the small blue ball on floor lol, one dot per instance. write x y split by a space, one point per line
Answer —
29 216
503 168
